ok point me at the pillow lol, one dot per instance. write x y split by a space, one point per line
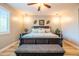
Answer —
39 30
42 30
27 30
34 30
47 30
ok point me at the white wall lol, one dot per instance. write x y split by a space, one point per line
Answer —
16 26
71 28
41 17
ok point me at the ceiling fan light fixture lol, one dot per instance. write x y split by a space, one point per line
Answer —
40 5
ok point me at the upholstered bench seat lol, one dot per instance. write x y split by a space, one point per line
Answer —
40 50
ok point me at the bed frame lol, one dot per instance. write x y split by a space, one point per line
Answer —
40 40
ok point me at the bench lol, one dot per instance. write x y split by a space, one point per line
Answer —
40 50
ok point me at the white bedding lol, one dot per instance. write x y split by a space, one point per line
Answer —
40 35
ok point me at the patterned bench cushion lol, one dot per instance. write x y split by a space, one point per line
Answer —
40 48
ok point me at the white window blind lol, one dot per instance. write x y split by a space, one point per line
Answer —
4 21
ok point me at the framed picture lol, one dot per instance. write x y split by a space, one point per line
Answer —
41 22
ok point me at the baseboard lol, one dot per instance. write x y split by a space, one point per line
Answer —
3 49
72 44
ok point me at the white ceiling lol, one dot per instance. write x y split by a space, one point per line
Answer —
55 7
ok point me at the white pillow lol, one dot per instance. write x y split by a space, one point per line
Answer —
35 30
47 30
40 30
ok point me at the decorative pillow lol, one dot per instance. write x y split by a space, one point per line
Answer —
47 30
27 30
42 30
34 30
39 30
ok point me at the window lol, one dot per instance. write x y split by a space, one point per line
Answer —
4 21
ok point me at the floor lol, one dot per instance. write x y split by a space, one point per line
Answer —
69 50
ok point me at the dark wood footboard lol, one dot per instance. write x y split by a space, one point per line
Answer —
41 41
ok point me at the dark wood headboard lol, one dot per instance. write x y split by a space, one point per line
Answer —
41 27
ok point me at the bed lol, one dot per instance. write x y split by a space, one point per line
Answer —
40 35
40 42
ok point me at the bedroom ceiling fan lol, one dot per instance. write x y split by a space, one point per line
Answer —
40 5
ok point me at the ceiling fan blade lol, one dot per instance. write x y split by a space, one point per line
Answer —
31 3
39 8
48 6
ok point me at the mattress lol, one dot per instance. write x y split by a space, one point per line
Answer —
40 48
40 35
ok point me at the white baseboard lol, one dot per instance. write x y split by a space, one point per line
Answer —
72 44
3 49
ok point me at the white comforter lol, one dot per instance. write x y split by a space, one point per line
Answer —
40 35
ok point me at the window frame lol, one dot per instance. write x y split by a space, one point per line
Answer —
8 21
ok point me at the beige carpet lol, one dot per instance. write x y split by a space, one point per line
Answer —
69 50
